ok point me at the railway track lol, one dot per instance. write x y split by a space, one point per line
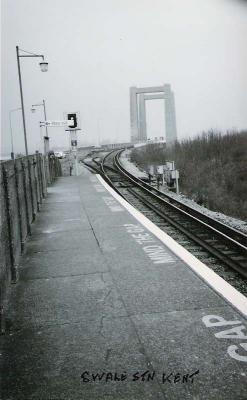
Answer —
196 231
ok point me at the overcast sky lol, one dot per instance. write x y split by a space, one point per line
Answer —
97 49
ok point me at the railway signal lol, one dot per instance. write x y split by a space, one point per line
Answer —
74 118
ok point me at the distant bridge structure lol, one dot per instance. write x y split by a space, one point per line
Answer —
138 98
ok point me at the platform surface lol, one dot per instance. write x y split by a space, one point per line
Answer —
99 294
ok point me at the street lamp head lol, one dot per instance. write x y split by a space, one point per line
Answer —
33 110
43 66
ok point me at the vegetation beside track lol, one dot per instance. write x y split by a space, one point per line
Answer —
212 166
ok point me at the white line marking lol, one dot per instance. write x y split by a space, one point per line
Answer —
227 291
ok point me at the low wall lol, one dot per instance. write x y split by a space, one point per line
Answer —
23 186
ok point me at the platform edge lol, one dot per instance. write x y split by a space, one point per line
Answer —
228 292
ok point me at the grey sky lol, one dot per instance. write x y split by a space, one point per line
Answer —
97 49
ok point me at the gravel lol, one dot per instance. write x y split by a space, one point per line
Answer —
225 219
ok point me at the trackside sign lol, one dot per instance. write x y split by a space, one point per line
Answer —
58 124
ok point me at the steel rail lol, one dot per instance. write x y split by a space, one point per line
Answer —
184 211
200 217
105 175
203 243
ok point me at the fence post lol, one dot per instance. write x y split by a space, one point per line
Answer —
49 172
39 177
18 205
35 173
50 168
25 197
31 189
13 267
43 169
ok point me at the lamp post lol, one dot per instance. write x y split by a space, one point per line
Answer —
46 138
44 67
11 131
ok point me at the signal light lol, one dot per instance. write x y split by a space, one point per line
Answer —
73 118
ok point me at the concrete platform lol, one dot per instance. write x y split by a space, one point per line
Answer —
100 294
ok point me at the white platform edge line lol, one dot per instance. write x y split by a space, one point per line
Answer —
238 300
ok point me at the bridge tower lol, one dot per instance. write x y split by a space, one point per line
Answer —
138 97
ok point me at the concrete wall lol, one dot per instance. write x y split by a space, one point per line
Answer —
23 186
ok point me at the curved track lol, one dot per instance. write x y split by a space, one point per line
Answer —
219 240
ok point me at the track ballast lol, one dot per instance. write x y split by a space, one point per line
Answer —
221 247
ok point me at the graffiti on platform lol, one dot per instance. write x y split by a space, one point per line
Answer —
235 331
170 377
156 252
112 204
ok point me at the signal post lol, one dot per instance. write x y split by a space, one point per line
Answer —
74 126
71 124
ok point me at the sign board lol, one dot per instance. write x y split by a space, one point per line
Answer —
151 169
74 118
170 165
57 124
160 169
167 176
175 174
